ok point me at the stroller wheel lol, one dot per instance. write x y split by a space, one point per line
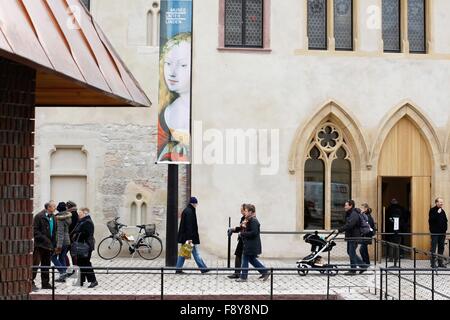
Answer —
303 269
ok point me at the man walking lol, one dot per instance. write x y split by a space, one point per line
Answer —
352 234
44 227
438 227
188 233
240 246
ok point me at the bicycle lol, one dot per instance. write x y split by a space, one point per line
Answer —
148 245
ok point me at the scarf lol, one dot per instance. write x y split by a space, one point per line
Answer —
247 220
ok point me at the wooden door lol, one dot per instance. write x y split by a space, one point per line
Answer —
421 197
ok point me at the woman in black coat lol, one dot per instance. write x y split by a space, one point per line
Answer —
84 233
250 233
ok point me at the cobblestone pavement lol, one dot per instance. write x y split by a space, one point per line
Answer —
285 283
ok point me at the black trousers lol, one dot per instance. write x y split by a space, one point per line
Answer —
238 253
86 269
393 252
437 242
42 257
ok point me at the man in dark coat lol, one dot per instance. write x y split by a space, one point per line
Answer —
240 246
438 227
352 233
188 233
395 222
44 230
250 233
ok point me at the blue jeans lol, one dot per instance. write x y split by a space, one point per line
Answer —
254 262
59 260
355 260
364 252
198 259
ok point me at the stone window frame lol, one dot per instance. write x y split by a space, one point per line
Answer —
404 38
330 27
266 30
327 156
155 12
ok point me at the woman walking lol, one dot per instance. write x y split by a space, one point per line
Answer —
368 221
250 233
84 233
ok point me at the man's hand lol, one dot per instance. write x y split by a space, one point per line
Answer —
230 231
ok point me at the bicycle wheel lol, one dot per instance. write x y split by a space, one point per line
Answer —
109 248
149 247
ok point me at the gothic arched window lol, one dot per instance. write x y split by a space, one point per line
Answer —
327 179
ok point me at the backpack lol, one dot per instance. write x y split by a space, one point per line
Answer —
364 226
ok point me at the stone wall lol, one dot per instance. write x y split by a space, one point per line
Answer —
121 164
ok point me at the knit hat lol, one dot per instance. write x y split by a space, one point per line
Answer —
193 200
61 207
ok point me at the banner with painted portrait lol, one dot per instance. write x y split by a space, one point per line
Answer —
174 120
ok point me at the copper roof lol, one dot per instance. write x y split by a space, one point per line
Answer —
75 63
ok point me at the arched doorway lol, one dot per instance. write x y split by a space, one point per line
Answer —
404 172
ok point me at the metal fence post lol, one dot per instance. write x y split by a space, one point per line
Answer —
328 283
432 284
386 254
53 282
375 255
229 245
415 253
381 283
271 284
386 291
162 283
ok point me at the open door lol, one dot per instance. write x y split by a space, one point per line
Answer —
421 197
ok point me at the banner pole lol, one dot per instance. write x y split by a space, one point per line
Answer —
172 216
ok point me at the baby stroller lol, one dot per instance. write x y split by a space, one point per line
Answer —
314 260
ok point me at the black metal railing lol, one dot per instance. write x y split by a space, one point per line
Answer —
282 281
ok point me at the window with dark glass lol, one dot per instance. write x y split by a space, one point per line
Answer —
87 3
326 194
317 24
341 181
391 25
244 23
416 26
314 192
343 24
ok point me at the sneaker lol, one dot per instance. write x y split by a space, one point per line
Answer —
241 280
47 286
264 277
362 270
350 273
233 276
205 271
180 272
93 284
